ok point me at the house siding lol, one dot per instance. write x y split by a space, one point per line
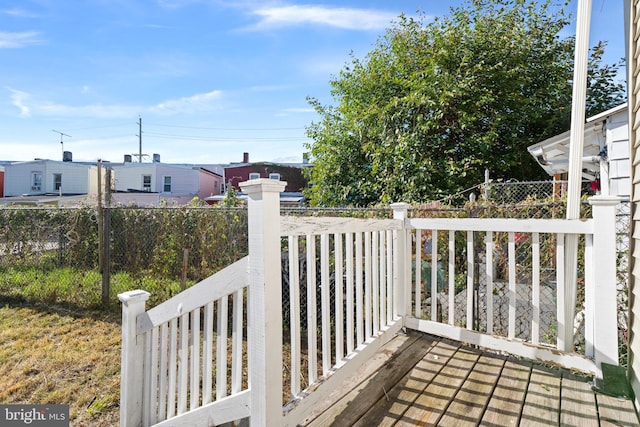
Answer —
75 177
617 135
292 175
210 184
187 182
129 176
632 11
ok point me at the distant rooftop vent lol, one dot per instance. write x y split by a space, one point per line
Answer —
245 157
156 158
67 156
127 158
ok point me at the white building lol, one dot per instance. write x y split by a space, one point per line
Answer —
148 184
49 177
605 155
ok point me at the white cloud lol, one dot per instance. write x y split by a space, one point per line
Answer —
17 40
89 111
344 18
189 104
193 103
18 99
18 13
288 111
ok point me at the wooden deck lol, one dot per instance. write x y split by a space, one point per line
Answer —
421 380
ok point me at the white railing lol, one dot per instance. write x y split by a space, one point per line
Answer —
351 285
174 359
343 300
521 312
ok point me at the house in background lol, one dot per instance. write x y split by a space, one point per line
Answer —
605 159
149 184
49 177
292 173
1 182
54 182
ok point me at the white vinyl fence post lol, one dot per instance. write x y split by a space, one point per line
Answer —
402 262
131 365
265 301
604 292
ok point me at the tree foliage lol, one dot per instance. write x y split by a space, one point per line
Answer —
436 103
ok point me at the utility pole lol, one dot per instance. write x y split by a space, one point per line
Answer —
140 139
139 135
61 142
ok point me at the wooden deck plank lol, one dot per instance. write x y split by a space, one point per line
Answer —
506 402
389 410
425 380
577 403
470 402
616 411
439 394
369 385
542 403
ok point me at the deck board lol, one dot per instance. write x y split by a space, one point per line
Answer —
374 382
542 402
402 395
441 382
472 399
616 411
578 403
434 401
505 405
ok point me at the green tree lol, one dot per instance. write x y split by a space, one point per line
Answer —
436 103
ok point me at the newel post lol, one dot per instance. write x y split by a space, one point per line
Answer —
131 360
401 262
601 328
265 301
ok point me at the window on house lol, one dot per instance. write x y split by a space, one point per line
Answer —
275 176
146 182
166 187
254 175
57 181
222 188
36 181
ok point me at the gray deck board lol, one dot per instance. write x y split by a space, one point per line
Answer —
438 382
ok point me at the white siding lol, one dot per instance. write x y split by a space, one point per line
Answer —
184 181
632 20
129 176
617 140
18 177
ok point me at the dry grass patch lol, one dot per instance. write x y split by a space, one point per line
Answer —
57 356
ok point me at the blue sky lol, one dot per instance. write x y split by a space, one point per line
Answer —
210 79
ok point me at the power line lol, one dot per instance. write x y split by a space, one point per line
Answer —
220 138
230 129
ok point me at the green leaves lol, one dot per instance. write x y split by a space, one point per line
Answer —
435 103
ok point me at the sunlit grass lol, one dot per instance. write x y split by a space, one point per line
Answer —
61 357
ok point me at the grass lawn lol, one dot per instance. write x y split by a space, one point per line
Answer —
50 355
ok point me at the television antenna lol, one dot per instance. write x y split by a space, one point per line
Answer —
61 141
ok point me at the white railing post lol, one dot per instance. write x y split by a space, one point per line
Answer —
402 262
131 360
601 287
265 301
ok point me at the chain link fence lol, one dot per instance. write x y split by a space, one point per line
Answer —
56 256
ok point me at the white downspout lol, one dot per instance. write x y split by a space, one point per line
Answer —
576 141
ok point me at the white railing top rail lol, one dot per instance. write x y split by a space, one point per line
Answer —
298 226
225 282
578 226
